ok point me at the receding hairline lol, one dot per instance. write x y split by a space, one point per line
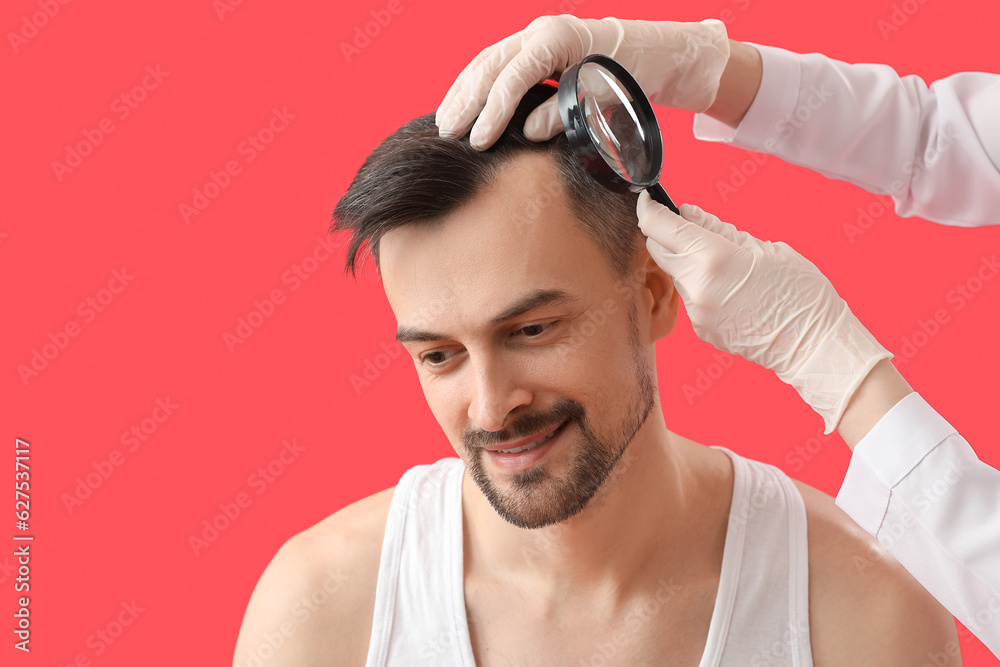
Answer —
557 185
414 175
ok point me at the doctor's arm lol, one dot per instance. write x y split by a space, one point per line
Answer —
913 482
934 149
917 485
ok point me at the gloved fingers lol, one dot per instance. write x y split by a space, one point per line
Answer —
544 122
703 218
493 87
671 263
441 115
466 97
533 64
677 265
674 233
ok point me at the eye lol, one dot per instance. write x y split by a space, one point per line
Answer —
434 358
535 330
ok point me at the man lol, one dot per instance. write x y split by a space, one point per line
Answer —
935 149
575 528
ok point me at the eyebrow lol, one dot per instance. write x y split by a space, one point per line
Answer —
533 300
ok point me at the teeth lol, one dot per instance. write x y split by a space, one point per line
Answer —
530 445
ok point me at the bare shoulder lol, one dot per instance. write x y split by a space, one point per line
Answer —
314 603
864 607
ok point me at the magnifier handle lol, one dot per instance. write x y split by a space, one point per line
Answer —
657 192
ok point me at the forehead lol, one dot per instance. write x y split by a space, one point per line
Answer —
516 236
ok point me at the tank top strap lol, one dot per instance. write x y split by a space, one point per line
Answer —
419 598
762 606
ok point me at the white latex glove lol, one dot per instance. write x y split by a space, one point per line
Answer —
677 65
764 302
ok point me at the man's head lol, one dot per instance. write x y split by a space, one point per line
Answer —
524 292
414 176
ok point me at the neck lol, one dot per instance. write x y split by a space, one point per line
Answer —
657 514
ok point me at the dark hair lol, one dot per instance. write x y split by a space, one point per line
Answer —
416 176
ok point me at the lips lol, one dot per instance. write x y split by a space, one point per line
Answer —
527 453
529 446
528 443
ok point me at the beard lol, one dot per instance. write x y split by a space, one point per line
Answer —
535 498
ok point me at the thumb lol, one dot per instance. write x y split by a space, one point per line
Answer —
544 122
669 230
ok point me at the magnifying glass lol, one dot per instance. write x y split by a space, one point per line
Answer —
611 127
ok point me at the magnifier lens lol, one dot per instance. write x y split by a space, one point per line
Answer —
613 124
611 127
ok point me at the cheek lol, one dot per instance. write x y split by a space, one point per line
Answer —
445 400
603 341
605 362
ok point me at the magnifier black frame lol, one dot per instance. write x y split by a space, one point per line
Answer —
583 145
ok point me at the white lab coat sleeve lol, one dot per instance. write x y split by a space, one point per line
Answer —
935 150
919 488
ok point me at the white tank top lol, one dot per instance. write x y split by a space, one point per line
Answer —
761 615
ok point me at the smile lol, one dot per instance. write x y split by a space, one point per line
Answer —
527 455
532 445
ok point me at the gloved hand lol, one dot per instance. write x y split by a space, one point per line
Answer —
764 302
677 65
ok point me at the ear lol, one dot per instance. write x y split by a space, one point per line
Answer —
659 296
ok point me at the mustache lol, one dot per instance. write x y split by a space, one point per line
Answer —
565 409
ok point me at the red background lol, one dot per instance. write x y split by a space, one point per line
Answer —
162 336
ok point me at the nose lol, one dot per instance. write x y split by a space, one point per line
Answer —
497 390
